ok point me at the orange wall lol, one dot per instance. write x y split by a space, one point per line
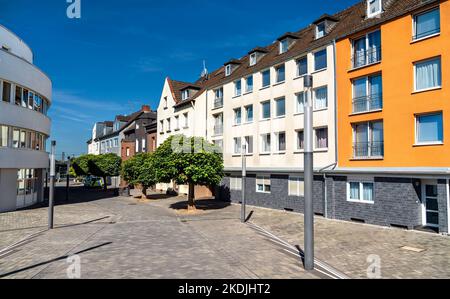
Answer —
399 103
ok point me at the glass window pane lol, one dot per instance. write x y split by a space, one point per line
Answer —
322 138
354 191
6 93
320 60
281 107
266 78
427 23
374 51
321 98
300 140
300 103
368 191
428 74
302 66
430 128
280 74
266 110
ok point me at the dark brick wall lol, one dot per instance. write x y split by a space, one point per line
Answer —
397 200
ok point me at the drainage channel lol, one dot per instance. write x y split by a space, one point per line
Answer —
320 267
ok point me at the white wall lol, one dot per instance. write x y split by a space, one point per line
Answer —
17 116
23 158
15 44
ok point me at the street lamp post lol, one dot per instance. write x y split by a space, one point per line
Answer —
309 176
67 178
52 186
244 175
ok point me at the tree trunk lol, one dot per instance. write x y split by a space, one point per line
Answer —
105 184
144 192
191 197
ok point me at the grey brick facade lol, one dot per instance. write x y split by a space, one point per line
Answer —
397 201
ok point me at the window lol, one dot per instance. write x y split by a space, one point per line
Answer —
320 60
25 98
300 103
137 146
265 143
265 78
6 92
169 127
281 141
116 142
237 88
4 136
185 94
321 138
186 120
368 140
280 105
228 70
237 116
249 84
237 144
218 144
429 129
165 102
218 100
367 94
249 114
249 144
177 123
263 184
373 8
18 98
427 24
360 191
296 186
280 72
284 46
302 66
161 126
16 138
321 98
320 30
300 141
253 59
128 152
265 107
428 74
218 124
367 49
235 183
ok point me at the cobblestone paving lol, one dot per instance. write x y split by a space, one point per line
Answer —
148 240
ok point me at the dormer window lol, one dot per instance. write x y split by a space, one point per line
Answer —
284 46
253 59
185 94
374 8
228 70
320 30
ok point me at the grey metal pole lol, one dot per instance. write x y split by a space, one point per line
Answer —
309 177
244 175
52 186
67 179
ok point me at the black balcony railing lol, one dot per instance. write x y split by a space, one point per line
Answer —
426 33
366 57
368 149
218 102
368 103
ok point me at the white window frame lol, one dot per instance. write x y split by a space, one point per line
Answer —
379 11
439 58
277 68
277 142
186 120
297 95
265 179
262 110
237 92
235 183
276 107
247 89
253 59
264 138
324 30
169 126
414 19
315 139
315 98
296 140
144 144
246 108
177 122
262 78
237 150
235 114
416 126
298 65
247 140
282 50
228 70
299 181
361 183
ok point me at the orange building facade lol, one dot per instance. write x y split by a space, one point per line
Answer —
393 113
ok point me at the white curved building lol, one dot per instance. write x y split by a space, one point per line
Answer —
25 97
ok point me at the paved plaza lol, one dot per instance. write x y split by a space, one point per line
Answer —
123 237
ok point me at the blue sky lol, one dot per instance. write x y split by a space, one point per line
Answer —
115 58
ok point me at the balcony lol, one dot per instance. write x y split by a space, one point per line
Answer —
367 57
218 130
363 150
368 103
218 103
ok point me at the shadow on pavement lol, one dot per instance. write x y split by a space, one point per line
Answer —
52 260
202 204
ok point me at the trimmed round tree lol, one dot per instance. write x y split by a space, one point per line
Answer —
81 165
140 170
104 166
189 161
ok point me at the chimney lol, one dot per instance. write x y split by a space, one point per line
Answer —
146 108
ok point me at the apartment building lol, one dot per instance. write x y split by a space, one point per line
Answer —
379 99
393 111
25 98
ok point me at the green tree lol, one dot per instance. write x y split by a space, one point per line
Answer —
189 160
140 170
104 166
81 165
